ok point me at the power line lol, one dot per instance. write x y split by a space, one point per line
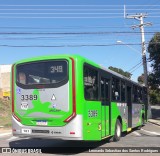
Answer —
88 9
136 68
109 10
77 13
66 5
64 27
81 5
74 15
67 45
71 17
72 33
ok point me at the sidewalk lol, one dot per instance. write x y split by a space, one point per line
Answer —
153 121
155 115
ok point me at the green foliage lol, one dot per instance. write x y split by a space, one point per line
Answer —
154 57
153 92
154 97
141 79
154 76
120 71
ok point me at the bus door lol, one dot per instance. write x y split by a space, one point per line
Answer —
105 103
129 104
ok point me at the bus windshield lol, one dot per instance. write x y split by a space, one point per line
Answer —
42 72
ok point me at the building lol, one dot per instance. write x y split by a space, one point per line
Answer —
5 71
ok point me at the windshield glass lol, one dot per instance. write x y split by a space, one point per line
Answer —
46 72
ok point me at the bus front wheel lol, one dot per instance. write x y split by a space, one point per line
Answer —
118 131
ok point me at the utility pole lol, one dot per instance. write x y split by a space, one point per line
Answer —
141 26
144 49
140 17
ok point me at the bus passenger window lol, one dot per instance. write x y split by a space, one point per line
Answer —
22 78
115 89
107 89
140 99
102 89
123 90
135 94
90 84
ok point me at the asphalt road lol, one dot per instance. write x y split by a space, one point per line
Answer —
147 136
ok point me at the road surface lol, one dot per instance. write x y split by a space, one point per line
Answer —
147 136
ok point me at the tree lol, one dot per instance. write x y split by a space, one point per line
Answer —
153 93
141 79
154 76
154 97
154 58
120 71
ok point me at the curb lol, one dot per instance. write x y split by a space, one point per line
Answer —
154 122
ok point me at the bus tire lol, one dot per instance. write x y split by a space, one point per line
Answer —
118 131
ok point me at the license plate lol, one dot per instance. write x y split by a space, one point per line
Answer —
41 123
26 131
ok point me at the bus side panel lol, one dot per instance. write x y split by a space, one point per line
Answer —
115 112
142 112
141 116
79 87
92 121
136 113
123 108
90 110
80 102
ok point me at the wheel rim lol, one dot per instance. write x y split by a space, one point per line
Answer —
118 131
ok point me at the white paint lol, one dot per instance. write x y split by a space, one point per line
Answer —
136 133
3 134
12 138
154 133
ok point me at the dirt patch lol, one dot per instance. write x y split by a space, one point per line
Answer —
5 114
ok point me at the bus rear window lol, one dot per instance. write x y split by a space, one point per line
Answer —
46 72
